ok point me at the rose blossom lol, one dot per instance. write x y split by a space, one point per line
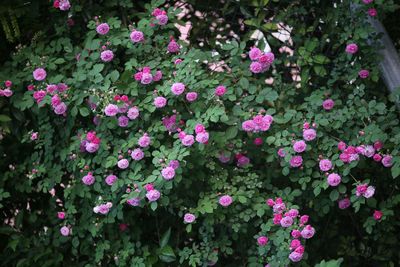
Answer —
309 134
225 200
111 110
88 179
39 74
123 121
363 74
110 179
137 154
262 241
325 165
295 233
102 28
144 141
133 113
344 203
328 104
168 173
189 218
281 152
34 136
137 36
160 102
191 96
61 215
254 53
372 12
308 232
299 146
351 48
296 161
387 161
64 231
334 179
188 140
177 88
153 195
107 55
123 164
202 137
378 215
295 256
173 47
220 90
286 221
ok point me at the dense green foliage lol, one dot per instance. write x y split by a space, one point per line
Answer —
39 178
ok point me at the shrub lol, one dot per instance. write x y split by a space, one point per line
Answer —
139 149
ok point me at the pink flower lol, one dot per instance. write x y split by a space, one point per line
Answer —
363 74
111 110
61 215
65 231
64 5
168 173
378 215
296 161
378 145
262 241
328 104
162 19
279 207
137 36
254 53
295 256
8 83
304 219
123 164
157 76
334 179
199 128
351 48
367 1
202 137
107 55
369 151
341 145
153 195
178 88
173 47
123 121
267 58
377 157
361 189
344 203
372 12
295 243
225 200
146 78
277 219
91 147
60 109
308 232
7 92
286 221
138 76
133 201
39 74
144 141
248 125
39 95
137 154
295 233
258 141
174 164
281 152
34 136
51 88
88 179
270 202
133 113
188 140
102 28
256 67
325 165
160 102
220 90
387 161
309 134
242 161
110 179
299 146
370 192
189 218
191 96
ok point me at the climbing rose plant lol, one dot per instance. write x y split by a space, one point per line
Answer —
149 154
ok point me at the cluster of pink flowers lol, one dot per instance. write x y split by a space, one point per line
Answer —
103 208
371 11
351 153
298 223
63 5
365 190
144 76
129 112
260 61
202 136
7 92
259 123
91 143
160 16
300 146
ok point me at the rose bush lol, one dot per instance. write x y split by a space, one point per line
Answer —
135 148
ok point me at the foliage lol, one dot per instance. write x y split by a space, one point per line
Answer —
41 177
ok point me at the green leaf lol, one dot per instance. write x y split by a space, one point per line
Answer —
4 118
167 254
84 111
165 238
